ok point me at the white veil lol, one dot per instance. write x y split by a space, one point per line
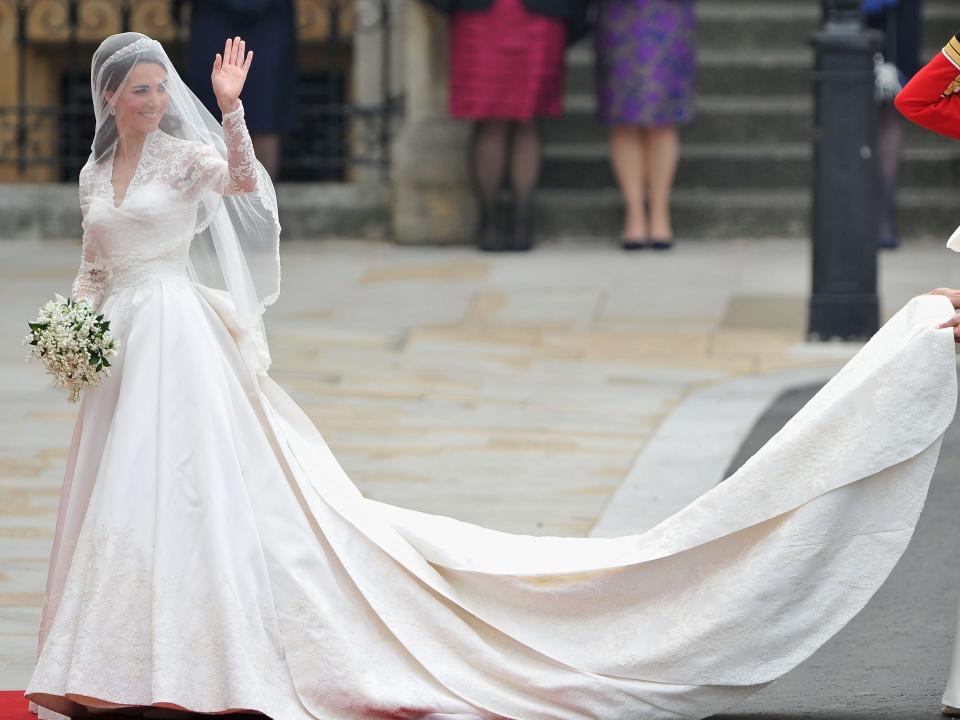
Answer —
236 246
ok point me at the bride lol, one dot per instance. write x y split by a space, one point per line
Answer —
211 555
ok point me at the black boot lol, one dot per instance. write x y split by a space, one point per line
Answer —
489 238
522 237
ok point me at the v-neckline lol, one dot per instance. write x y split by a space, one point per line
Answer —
133 176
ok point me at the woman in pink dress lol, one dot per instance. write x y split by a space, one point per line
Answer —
506 71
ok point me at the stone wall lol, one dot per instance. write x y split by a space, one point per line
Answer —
50 211
432 199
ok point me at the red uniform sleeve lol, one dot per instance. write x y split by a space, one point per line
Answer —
930 99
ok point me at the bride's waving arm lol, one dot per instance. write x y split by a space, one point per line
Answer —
238 175
240 156
91 280
228 76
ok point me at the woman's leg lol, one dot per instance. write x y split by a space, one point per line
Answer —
627 159
890 146
489 156
524 173
662 151
266 146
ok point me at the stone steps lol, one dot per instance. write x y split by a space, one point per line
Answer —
726 71
728 214
780 24
741 165
721 119
745 167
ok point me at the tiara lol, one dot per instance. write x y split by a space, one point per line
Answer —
136 46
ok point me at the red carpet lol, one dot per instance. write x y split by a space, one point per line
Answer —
13 706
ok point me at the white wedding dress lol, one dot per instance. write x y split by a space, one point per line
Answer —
211 554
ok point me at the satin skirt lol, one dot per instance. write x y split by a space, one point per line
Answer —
211 554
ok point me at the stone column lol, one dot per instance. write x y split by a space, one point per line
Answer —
374 77
432 193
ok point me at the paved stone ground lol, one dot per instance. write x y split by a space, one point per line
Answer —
510 391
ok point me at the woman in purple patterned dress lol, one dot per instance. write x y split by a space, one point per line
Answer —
646 60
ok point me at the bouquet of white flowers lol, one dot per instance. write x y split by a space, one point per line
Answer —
73 342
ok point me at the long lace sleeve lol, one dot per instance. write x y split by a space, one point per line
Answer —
238 173
91 280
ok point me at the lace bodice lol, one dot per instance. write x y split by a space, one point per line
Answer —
148 231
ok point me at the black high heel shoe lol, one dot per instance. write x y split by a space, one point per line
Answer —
631 244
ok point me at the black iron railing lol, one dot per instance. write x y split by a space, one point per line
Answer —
53 41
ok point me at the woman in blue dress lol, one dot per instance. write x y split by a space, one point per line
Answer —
645 62
270 26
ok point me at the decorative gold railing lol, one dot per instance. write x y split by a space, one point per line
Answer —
46 47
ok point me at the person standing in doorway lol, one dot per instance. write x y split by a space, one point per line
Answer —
899 20
645 65
270 26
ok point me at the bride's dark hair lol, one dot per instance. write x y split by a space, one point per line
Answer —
115 73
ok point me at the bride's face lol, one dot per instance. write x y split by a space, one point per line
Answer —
143 100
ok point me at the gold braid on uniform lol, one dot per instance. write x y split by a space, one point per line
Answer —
952 52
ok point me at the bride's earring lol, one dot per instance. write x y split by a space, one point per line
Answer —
113 110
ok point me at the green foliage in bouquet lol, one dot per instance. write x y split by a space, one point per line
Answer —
73 342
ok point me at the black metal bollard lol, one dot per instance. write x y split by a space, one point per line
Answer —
844 302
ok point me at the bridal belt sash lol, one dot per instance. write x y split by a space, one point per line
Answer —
145 272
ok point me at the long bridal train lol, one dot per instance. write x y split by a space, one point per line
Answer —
228 562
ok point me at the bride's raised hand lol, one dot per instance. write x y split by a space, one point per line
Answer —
230 73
